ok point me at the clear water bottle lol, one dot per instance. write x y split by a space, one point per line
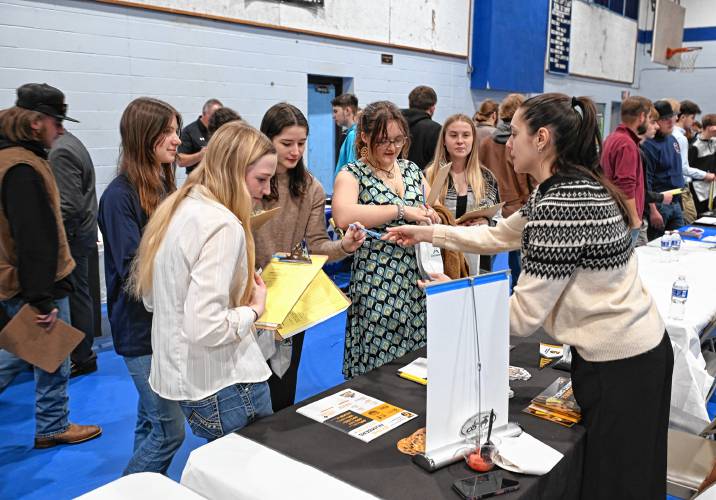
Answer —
675 245
679 294
665 246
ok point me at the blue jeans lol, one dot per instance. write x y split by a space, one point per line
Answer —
229 410
673 218
51 401
160 424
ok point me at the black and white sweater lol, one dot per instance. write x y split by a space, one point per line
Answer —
580 279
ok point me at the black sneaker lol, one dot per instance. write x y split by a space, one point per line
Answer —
83 368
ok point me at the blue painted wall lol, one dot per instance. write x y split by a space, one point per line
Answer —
509 45
322 136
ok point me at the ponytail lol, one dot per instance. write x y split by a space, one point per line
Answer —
576 137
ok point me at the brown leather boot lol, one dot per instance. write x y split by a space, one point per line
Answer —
73 435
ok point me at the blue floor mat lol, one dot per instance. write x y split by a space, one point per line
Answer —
108 398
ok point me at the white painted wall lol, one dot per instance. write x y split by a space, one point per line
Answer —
104 56
655 81
603 43
440 25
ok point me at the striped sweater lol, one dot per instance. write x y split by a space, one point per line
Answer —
580 279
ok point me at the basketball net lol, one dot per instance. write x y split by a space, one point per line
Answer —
686 57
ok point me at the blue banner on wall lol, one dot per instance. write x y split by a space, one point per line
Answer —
509 45
560 27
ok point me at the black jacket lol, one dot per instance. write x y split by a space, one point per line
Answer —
424 134
34 231
122 221
74 172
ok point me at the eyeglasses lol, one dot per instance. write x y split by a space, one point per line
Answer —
398 142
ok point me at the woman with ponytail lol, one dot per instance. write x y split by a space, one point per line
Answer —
195 270
581 284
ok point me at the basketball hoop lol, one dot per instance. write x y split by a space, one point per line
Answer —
686 57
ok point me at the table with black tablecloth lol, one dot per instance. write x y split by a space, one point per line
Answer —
379 468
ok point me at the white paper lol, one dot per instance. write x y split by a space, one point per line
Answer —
711 221
525 454
350 406
418 368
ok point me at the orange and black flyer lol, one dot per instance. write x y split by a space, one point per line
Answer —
356 414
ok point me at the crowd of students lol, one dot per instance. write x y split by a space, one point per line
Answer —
181 263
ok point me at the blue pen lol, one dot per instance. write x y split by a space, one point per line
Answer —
369 232
425 200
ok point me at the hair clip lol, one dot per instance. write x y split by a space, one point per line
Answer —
577 106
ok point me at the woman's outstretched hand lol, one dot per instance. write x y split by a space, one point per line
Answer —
408 235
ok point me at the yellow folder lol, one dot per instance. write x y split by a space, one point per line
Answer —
321 300
299 296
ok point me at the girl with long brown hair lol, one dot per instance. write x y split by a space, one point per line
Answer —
195 270
302 217
149 129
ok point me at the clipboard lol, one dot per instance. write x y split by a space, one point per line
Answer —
262 218
437 184
487 213
31 342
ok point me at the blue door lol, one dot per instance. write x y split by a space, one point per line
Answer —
322 137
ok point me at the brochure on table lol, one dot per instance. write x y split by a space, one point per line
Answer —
468 360
356 414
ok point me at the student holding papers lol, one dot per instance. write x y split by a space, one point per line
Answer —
194 269
469 186
301 199
580 282
387 317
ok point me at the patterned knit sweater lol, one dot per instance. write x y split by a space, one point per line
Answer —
580 279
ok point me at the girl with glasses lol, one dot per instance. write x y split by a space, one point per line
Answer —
387 317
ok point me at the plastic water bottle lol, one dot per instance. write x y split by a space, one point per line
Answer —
665 246
679 294
675 245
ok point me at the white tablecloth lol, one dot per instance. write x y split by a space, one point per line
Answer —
691 382
142 486
238 468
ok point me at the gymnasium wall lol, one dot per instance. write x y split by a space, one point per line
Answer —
103 56
700 30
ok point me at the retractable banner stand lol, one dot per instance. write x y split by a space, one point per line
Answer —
468 364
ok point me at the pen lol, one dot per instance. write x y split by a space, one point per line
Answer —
425 200
369 232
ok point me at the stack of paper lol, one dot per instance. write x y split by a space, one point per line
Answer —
526 455
706 221
300 295
417 371
556 403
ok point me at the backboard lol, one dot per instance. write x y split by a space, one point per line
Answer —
668 32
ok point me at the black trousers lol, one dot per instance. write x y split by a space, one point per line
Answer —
283 389
625 409
82 311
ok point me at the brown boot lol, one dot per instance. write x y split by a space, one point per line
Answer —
73 435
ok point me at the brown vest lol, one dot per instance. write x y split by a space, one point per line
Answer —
9 279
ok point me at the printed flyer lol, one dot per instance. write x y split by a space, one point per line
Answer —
356 414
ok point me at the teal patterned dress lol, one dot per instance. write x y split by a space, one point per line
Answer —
387 317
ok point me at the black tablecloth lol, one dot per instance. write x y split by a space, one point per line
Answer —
379 468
